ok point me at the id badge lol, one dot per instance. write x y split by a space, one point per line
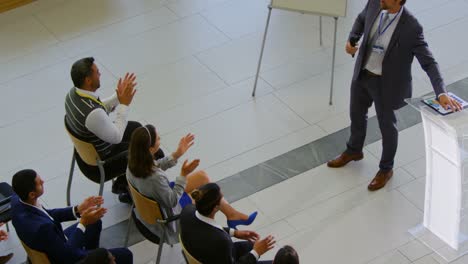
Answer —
378 49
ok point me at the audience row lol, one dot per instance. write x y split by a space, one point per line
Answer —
142 164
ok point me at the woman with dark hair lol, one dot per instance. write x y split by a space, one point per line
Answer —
210 243
150 179
286 255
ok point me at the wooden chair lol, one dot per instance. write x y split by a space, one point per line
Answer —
150 212
34 256
88 154
189 258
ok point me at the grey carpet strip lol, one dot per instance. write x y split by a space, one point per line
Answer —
285 166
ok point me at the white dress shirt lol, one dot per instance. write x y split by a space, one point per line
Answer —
374 62
99 122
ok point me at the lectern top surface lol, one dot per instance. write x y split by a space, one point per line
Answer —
453 123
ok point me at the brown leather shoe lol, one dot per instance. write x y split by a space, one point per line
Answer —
6 258
344 159
380 179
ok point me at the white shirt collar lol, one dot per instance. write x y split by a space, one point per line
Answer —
391 16
207 220
93 94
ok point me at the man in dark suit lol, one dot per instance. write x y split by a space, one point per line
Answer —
208 242
392 37
41 229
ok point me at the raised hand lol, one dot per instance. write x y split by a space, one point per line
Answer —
90 202
264 245
188 168
246 235
3 233
185 143
126 88
92 215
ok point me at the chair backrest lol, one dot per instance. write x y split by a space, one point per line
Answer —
148 209
86 150
6 191
36 257
190 259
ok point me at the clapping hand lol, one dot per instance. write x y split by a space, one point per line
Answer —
246 235
189 167
264 245
3 233
185 143
92 201
92 215
126 89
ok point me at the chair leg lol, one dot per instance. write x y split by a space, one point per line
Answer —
7 227
103 176
185 257
130 220
70 178
160 248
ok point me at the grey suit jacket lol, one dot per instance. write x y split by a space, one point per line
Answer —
156 187
406 43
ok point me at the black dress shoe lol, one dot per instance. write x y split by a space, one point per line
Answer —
120 185
6 258
125 198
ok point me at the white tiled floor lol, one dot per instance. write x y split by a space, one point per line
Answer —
195 61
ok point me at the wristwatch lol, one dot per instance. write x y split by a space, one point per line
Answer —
75 210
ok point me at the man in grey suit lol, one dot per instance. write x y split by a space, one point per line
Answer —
392 37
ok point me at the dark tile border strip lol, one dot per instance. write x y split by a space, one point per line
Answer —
285 166
314 154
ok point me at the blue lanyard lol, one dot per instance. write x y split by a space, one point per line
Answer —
385 29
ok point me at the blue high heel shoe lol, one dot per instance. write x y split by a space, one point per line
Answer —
234 223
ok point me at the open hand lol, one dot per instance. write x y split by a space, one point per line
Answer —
185 143
246 235
90 202
264 245
126 89
3 233
189 167
448 102
92 215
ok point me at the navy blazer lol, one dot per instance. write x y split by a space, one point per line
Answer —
41 233
406 43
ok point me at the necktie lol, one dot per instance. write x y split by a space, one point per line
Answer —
382 24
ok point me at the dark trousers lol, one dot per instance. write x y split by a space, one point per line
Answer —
118 166
242 248
365 91
92 236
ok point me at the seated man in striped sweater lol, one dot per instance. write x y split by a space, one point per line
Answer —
87 118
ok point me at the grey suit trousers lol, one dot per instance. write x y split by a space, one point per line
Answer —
367 89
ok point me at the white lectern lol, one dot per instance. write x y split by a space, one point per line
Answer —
445 225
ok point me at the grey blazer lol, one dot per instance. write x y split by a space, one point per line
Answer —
406 43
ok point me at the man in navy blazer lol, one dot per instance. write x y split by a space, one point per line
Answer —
41 229
391 38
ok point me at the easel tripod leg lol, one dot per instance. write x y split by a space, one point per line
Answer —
261 52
